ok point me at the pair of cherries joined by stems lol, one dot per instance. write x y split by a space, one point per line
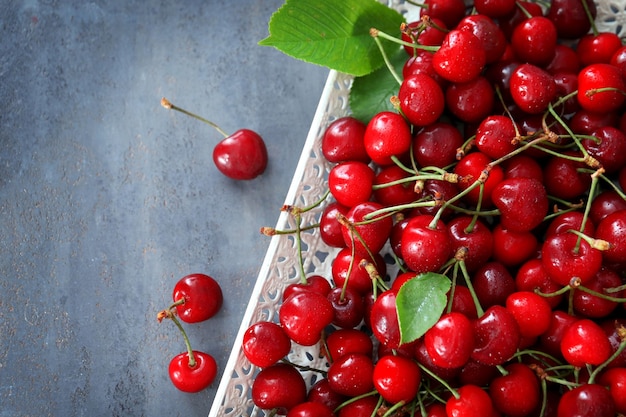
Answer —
239 156
197 298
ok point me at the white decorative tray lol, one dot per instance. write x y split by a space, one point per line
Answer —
281 266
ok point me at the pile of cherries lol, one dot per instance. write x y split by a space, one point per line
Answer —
504 169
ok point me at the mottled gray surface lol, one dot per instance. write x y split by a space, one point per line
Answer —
107 199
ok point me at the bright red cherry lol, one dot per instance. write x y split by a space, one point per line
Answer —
304 316
265 343
523 203
279 386
532 88
201 298
422 102
601 88
397 378
586 400
472 401
585 342
450 341
343 141
351 182
194 377
461 57
534 40
386 135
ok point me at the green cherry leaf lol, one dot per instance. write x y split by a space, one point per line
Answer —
420 303
334 34
371 93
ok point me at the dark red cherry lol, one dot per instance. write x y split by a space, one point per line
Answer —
495 135
330 228
570 17
437 145
241 156
470 101
343 141
523 203
613 230
496 335
475 236
608 146
588 400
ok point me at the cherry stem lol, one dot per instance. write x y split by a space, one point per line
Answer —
390 412
355 399
390 67
594 29
375 33
270 231
442 381
470 287
168 105
169 314
602 295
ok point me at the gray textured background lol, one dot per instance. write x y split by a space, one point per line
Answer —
107 199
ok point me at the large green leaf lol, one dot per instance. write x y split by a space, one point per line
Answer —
334 34
420 303
371 93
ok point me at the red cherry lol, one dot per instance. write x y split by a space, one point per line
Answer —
348 306
571 220
265 343
495 135
330 228
472 401
387 134
279 386
534 40
311 409
345 267
422 102
517 393
608 147
570 17
615 380
351 374
584 342
402 192
304 316
475 236
460 58
523 203
591 400
450 341
360 407
493 283
497 336
606 78
605 203
593 306
366 237
192 378
344 341
600 47
495 8
564 60
437 144
531 311
565 256
532 88
343 141
384 320
396 378
424 247
513 248
449 11
241 156
320 392
202 297
316 283
613 230
351 182
470 101
488 32
523 166
470 168
532 276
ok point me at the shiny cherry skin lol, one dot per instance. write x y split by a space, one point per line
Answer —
330 228
350 182
192 378
202 297
304 315
495 135
584 342
496 335
615 380
437 144
564 260
531 311
343 141
601 76
493 283
351 374
518 393
265 343
470 168
387 134
279 386
513 248
473 234
570 17
346 267
609 148
366 237
472 401
422 101
532 88
523 203
613 230
461 57
534 40
425 248
450 341
449 11
488 32
397 379
344 341
471 101
348 306
586 400
241 156
600 47
316 283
